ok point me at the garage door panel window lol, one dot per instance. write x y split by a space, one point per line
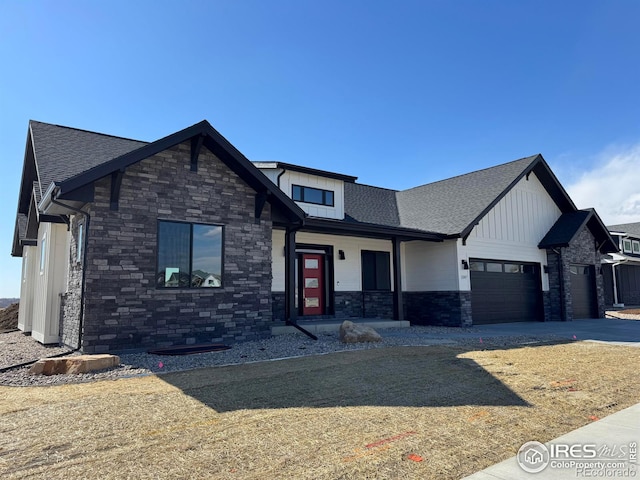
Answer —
494 267
476 266
512 268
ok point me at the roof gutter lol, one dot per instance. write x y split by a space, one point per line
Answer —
47 198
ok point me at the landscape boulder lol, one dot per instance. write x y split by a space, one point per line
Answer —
77 364
354 333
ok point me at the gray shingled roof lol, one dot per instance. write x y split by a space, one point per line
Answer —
63 152
632 228
367 204
565 228
450 206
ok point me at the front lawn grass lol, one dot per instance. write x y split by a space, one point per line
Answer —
405 412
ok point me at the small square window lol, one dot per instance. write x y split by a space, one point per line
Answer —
512 268
494 267
476 266
189 255
626 246
636 246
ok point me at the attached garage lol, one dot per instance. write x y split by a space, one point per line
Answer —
505 291
583 291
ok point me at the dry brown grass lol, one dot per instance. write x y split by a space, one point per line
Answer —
367 414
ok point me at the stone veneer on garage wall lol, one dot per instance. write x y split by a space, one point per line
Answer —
124 309
581 251
451 309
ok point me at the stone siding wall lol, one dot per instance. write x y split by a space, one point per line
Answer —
451 309
347 305
71 300
123 308
582 250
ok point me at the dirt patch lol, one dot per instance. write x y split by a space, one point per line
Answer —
413 412
9 318
631 311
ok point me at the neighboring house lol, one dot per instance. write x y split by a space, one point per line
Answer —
622 269
118 236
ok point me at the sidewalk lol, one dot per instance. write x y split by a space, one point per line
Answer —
621 429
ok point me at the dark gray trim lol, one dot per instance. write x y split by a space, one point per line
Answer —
216 143
542 170
196 146
116 182
339 227
398 309
314 171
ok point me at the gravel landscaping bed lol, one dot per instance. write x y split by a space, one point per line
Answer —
15 348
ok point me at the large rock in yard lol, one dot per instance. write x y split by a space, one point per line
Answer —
77 364
353 333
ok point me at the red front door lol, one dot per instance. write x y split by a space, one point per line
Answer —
312 284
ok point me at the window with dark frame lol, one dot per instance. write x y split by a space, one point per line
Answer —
376 271
189 255
316 196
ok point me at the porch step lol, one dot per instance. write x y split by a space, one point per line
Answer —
325 326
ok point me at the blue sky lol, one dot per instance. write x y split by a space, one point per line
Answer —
398 93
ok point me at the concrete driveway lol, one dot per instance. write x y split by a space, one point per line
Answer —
623 332
599 329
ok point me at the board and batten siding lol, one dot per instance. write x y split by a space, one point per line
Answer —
513 228
347 272
50 278
27 285
290 178
429 266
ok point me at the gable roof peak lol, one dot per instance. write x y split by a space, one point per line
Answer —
529 161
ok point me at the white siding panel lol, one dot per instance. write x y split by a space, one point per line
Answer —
430 266
50 282
336 186
513 229
347 272
29 265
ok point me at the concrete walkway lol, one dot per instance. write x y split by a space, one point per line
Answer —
613 433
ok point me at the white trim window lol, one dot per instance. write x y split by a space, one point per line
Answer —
626 245
79 242
43 253
635 244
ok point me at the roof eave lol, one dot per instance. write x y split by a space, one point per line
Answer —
383 231
215 142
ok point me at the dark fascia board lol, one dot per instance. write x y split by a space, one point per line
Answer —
337 227
215 142
315 171
542 170
16 247
600 231
29 175
597 228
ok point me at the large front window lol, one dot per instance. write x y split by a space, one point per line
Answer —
376 271
189 255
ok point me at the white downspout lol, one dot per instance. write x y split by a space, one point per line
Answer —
615 284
